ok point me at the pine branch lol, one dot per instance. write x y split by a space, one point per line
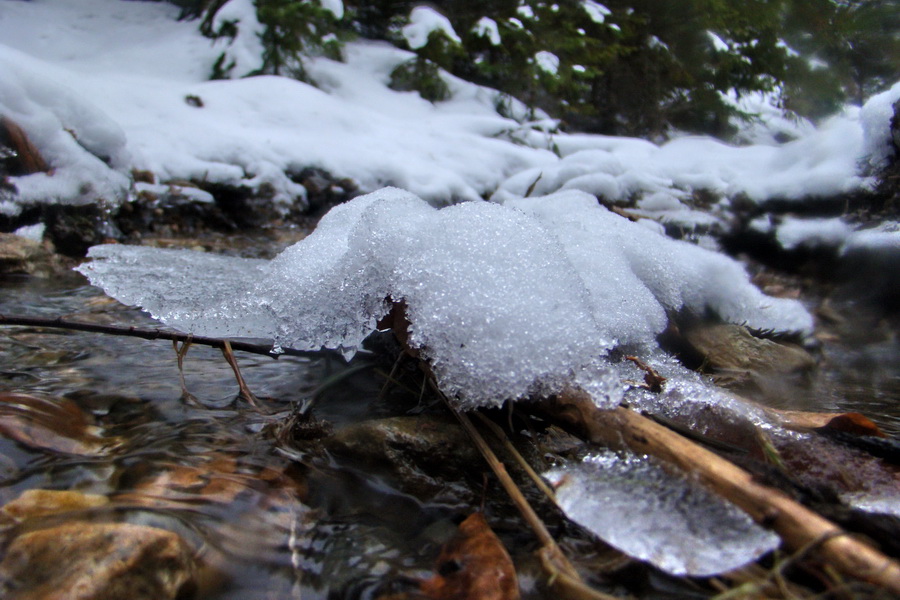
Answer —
152 334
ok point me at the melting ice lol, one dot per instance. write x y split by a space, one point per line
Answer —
504 300
654 515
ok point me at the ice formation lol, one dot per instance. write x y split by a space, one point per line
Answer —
505 301
649 513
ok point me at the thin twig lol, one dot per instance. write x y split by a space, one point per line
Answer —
264 349
179 355
504 439
563 575
248 395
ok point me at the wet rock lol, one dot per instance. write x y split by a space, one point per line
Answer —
421 452
94 561
171 209
20 255
74 229
732 350
40 503
323 190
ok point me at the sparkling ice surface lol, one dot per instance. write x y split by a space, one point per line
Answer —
504 300
665 519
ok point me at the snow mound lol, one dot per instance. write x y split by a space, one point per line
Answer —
84 149
794 233
821 163
504 301
144 75
876 117
884 238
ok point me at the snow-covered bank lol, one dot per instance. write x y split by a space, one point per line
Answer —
132 68
119 86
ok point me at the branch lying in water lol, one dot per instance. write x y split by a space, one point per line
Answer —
799 527
151 334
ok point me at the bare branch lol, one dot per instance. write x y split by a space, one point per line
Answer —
153 334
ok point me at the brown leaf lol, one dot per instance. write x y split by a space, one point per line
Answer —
653 380
56 424
474 565
854 423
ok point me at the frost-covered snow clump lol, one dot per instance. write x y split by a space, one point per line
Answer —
422 22
84 148
504 301
876 117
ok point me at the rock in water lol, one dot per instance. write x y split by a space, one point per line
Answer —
98 561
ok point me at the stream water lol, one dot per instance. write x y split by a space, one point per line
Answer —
272 518
272 521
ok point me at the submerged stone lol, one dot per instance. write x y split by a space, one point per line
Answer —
98 561
39 503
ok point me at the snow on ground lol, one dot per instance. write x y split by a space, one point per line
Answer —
129 71
138 69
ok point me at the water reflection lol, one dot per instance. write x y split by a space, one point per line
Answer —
105 415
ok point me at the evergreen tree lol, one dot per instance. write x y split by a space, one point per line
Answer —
637 67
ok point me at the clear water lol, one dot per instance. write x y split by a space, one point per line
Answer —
274 518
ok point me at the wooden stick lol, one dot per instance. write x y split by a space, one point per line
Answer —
245 392
798 526
508 446
153 334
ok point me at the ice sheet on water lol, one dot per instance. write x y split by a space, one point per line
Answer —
191 291
504 301
655 515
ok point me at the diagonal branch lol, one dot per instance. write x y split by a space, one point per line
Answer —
798 526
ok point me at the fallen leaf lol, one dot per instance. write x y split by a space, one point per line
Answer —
50 423
474 565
